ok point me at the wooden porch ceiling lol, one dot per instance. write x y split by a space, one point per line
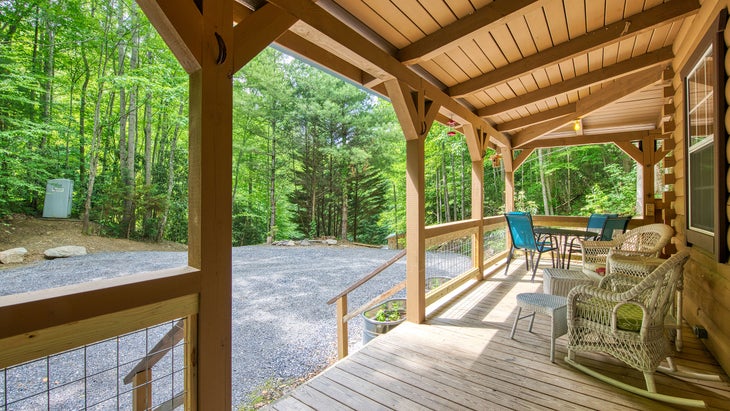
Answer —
528 68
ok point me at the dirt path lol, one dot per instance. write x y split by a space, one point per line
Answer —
38 234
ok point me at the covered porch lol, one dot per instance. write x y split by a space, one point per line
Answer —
461 357
514 76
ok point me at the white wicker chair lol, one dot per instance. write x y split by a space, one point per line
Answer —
647 240
625 319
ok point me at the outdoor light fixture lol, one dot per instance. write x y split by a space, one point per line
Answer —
576 125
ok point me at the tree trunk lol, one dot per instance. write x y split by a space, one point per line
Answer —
545 185
463 189
272 187
49 73
170 175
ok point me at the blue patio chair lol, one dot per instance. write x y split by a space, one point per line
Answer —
524 238
612 226
594 230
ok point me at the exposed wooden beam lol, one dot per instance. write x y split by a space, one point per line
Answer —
415 113
482 20
257 31
587 139
308 51
566 110
620 88
631 150
517 162
180 25
658 57
322 28
660 15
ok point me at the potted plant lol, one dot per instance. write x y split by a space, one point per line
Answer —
383 318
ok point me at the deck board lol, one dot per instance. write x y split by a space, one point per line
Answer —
463 358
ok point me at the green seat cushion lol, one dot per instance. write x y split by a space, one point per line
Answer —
628 317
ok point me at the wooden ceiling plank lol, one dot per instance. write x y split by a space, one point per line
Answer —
539 29
575 14
568 110
418 14
396 19
626 28
522 35
257 31
476 54
325 27
373 20
506 43
583 140
614 10
483 20
621 88
180 25
555 16
595 14
608 73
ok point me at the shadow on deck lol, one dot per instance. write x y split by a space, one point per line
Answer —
463 358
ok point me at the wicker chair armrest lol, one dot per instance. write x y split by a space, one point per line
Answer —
618 283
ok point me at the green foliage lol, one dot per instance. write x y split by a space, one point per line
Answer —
313 156
392 311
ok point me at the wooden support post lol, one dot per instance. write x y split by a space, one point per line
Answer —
647 199
191 362
416 115
142 394
342 337
210 221
477 213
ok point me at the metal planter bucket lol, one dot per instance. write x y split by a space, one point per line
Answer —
373 328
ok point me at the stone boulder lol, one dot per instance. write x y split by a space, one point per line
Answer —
305 243
13 255
65 251
330 241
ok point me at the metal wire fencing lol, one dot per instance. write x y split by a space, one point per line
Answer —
92 377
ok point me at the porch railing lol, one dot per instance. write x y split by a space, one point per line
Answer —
46 323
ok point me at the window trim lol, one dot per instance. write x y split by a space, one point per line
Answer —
715 243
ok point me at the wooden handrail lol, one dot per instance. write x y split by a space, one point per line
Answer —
162 347
368 277
377 300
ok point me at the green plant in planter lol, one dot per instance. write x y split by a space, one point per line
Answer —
389 314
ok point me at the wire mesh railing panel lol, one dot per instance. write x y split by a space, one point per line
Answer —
449 259
495 241
92 377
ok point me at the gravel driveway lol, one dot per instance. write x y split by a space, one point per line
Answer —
282 326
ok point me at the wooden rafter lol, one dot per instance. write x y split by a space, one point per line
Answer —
311 52
449 37
613 33
658 57
566 110
620 88
180 24
606 138
257 31
319 26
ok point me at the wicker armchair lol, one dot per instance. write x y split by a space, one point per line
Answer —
627 324
646 240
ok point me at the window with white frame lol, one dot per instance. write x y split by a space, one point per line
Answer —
706 141
700 137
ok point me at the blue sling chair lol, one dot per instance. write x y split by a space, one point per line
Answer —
524 238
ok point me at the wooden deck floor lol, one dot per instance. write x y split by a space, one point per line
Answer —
463 358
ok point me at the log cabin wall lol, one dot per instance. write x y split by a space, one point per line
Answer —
707 281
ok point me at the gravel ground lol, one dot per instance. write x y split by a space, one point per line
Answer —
282 326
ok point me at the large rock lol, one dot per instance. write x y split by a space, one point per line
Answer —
65 251
14 255
330 241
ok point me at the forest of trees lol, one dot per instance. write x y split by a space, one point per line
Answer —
89 92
